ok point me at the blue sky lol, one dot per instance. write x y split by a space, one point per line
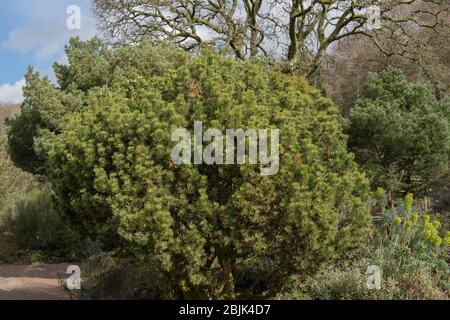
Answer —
34 32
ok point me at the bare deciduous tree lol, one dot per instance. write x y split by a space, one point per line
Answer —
299 32
422 53
187 23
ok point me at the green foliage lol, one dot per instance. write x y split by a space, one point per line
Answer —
103 137
107 276
31 220
400 133
6 111
407 240
339 283
13 181
349 283
195 225
91 65
31 223
31 131
413 263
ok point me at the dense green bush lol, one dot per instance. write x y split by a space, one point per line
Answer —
400 133
32 223
13 181
197 225
31 131
91 64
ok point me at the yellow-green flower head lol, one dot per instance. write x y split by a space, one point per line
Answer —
447 238
414 218
408 201
437 241
408 225
431 233
426 218
398 220
379 192
428 231
437 224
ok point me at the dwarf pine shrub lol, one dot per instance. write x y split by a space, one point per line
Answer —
200 226
400 134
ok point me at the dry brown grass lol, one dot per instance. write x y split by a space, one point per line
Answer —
6 111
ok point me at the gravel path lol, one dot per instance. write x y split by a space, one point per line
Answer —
35 282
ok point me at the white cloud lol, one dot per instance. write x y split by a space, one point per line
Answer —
12 93
47 32
44 42
46 52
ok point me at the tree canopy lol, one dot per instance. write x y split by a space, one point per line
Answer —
400 133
